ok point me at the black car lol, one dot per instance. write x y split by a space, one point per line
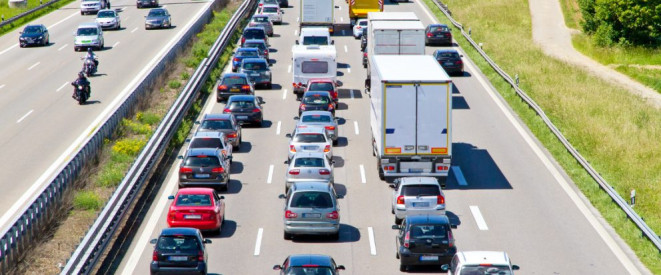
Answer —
363 40
309 264
424 240
204 167
246 109
146 3
254 33
179 251
316 101
438 34
34 35
158 18
450 60
233 84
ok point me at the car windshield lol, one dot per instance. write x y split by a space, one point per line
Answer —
254 34
255 66
178 242
309 138
87 31
234 80
428 231
300 270
311 199
235 105
193 200
32 29
316 118
422 189
315 40
448 55
309 162
156 13
216 124
315 99
106 14
439 29
270 10
247 54
202 161
206 143
483 270
362 23
314 67
321 86
260 19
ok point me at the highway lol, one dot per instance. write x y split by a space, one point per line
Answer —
40 124
505 192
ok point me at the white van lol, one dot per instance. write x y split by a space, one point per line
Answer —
319 36
313 62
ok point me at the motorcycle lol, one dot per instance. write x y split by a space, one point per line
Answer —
81 94
89 66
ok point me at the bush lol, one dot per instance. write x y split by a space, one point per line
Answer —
604 36
112 174
136 127
129 146
174 84
148 118
86 200
185 76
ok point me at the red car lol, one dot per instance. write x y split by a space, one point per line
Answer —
323 84
199 208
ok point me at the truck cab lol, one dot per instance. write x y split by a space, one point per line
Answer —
311 62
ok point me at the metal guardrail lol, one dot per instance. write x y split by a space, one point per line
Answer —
647 231
101 232
26 13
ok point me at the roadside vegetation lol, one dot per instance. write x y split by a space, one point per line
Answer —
120 151
615 130
11 12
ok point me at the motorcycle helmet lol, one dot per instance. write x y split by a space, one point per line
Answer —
89 50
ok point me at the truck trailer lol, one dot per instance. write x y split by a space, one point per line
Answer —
317 13
359 9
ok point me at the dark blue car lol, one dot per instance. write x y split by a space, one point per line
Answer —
34 35
242 53
179 251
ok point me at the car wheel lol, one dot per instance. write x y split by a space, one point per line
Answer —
82 13
403 268
396 255
217 231
260 123
269 85
287 236
398 221
392 210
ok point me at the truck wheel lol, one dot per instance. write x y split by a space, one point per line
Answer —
378 167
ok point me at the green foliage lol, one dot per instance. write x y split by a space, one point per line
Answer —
148 118
174 84
135 127
87 200
129 146
185 75
113 172
623 21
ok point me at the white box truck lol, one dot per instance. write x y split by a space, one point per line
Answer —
392 16
396 37
411 116
312 62
317 13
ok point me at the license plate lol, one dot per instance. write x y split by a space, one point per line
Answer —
415 170
429 258
311 215
234 90
177 258
192 217
439 35
420 204
202 176
254 74
241 117
310 147
448 64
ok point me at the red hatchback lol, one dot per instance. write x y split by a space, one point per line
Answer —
323 84
199 208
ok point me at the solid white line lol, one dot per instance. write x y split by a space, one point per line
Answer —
258 244
459 175
370 232
136 28
355 125
24 116
349 70
8 49
115 45
580 204
346 50
64 46
289 69
297 19
35 65
62 87
270 177
277 130
481 224
64 19
362 174
296 32
284 94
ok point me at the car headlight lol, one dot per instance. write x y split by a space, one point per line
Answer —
21 38
41 37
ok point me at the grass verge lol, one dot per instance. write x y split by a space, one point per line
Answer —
120 152
8 13
572 13
616 131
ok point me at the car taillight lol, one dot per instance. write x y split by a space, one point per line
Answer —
333 215
331 128
365 54
448 34
389 168
458 62
200 256
407 238
231 135
441 168
400 199
290 215
294 171
185 170
324 172
226 110
330 106
154 256
245 87
440 199
266 52
302 106
359 27
222 87
243 39
327 149
428 34
218 170
236 59
292 148
450 237
256 110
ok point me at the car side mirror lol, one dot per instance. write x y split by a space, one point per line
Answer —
332 162
515 267
397 180
453 226
222 197
338 83
445 267
286 161
180 157
170 197
296 42
207 241
392 185
394 226
339 196
153 241
461 55
282 196
332 42
296 118
288 135
277 267
340 267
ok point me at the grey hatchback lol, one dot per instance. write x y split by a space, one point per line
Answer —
260 20
311 209
224 123
204 167
258 71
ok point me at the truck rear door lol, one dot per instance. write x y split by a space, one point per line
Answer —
399 117
411 42
433 109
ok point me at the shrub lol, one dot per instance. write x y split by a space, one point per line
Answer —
136 127
112 174
149 118
174 84
128 146
86 200
185 76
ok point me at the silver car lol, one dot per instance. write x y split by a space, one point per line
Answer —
258 71
322 119
214 140
311 209
308 167
417 196
262 20
273 11
225 123
108 19
88 35
310 139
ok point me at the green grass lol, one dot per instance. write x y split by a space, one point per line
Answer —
572 13
87 200
616 131
8 13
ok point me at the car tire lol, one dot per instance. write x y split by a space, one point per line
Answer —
392 210
398 221
287 236
403 268
21 45
397 255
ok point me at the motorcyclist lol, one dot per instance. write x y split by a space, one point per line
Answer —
82 81
91 55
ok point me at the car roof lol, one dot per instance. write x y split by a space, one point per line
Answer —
427 219
324 93
179 231
208 135
235 74
241 98
311 130
311 186
447 51
305 259
88 25
320 80
217 116
195 190
316 113
259 15
202 151
260 41
270 6
309 155
418 180
484 257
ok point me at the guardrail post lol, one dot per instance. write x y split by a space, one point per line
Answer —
470 30
516 76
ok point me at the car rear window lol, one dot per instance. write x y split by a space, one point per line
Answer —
216 124
362 23
260 19
234 80
260 46
448 55
314 67
315 40
87 31
316 118
439 29
193 200
479 269
428 231
235 105
321 86
255 66
253 34
311 199
309 162
270 10
247 54
205 161
422 189
317 270
172 243
315 99
309 138
206 143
